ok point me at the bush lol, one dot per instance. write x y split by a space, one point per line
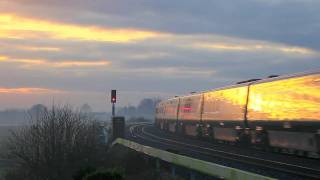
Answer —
109 174
57 143
79 175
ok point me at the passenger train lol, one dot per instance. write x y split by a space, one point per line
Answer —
280 113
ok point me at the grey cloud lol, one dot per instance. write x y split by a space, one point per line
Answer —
288 22
291 22
188 69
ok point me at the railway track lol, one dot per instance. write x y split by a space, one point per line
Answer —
260 165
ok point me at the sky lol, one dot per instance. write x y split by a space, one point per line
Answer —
76 51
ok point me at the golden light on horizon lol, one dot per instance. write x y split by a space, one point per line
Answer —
296 50
3 58
21 27
28 90
243 46
29 61
39 48
222 46
55 64
81 63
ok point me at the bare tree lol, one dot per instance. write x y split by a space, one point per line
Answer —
57 143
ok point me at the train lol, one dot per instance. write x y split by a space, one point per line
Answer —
281 113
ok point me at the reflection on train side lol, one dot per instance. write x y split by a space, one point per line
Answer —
168 109
289 99
225 104
190 107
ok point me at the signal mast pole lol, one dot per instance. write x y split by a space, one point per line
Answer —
113 109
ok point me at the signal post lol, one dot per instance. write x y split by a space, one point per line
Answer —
113 101
118 122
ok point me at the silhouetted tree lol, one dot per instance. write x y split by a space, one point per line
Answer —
58 142
37 110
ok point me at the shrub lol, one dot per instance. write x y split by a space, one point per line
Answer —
108 174
57 143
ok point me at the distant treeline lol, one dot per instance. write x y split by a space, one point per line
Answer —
144 110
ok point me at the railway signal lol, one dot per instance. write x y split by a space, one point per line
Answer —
113 100
113 96
118 122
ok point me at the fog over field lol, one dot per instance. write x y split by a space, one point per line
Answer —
20 117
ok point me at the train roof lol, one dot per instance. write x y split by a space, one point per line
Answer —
287 76
248 82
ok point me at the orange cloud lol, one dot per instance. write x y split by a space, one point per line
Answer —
3 58
81 63
13 26
296 50
37 48
224 46
29 63
243 46
28 90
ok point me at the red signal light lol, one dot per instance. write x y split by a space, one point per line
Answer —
113 96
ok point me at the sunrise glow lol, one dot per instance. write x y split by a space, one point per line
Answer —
254 47
54 64
22 27
27 90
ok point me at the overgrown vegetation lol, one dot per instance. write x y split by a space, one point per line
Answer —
59 142
105 174
64 144
91 173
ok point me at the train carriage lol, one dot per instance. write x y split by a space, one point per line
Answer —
189 114
287 112
278 112
166 114
224 111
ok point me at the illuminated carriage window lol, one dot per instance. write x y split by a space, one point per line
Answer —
186 109
190 107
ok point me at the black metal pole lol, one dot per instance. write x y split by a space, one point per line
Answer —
113 109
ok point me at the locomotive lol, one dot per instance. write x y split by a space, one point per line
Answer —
280 113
